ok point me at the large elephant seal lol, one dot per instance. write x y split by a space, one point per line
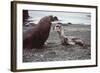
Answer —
36 36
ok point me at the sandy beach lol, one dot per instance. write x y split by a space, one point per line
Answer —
54 51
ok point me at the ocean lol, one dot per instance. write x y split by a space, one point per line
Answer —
65 17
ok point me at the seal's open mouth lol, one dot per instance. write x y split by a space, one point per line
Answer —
56 25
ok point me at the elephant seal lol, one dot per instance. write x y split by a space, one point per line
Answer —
36 36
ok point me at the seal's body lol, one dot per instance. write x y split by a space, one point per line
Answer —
38 34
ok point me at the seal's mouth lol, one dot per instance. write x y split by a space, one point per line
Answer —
56 25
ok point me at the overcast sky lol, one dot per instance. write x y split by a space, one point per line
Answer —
65 17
